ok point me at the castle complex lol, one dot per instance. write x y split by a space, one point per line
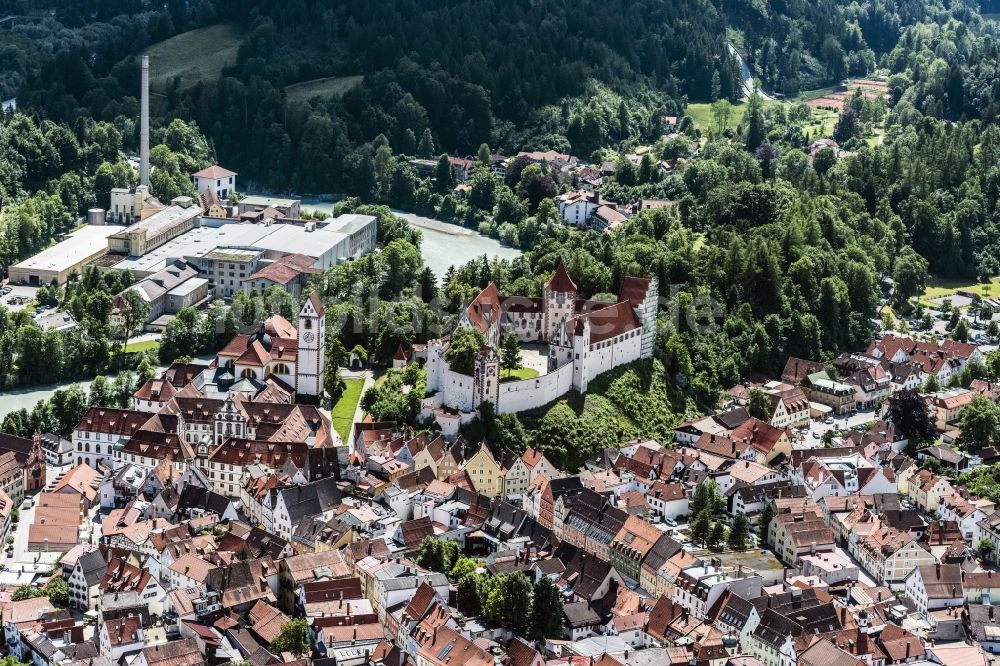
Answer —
584 339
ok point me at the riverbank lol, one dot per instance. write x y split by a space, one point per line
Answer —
436 225
26 398
444 244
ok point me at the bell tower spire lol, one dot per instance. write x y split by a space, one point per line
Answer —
311 361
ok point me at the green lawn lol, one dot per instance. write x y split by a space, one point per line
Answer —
938 288
342 413
329 87
193 56
517 374
701 114
141 346
821 125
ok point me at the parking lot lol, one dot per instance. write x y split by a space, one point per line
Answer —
812 437
18 297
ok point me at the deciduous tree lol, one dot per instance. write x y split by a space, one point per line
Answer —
463 349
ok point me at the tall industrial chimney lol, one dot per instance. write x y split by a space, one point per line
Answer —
144 126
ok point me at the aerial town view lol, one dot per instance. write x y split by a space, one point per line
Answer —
481 333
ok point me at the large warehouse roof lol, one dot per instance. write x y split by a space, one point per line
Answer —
78 246
201 241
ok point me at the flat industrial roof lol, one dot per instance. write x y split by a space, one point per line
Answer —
188 286
201 241
78 246
350 223
162 220
232 254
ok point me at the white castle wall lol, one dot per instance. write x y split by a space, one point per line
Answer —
528 394
607 355
457 389
435 366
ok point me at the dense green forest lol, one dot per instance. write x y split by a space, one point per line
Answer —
515 75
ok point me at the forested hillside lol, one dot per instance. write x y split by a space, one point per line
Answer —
517 74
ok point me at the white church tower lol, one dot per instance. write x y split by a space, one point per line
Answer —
312 347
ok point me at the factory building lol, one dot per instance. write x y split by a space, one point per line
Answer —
157 229
70 255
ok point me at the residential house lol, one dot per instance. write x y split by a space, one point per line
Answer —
926 490
121 636
946 406
631 545
838 396
84 583
539 465
789 406
182 652
122 577
935 586
798 529
444 646
699 587
981 587
889 556
831 568
667 501
576 208
486 474
516 474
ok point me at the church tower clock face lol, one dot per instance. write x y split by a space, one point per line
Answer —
308 337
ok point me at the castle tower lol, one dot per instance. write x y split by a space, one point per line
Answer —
312 347
581 361
486 382
647 315
558 296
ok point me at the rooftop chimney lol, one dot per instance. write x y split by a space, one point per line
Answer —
144 126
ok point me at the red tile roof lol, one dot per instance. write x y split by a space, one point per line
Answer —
214 171
316 303
607 323
484 309
560 280
242 452
286 269
112 421
634 289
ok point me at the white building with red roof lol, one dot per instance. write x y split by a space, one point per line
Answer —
220 181
584 339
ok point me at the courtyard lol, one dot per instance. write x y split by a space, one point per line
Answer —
534 361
